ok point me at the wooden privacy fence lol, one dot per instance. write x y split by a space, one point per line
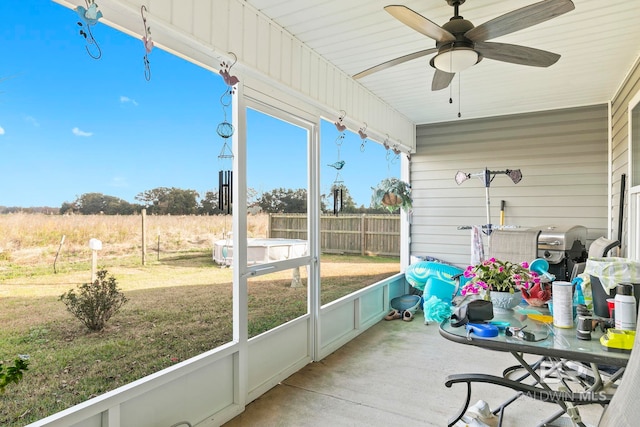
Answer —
359 234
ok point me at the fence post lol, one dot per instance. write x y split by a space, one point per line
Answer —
269 225
363 234
144 236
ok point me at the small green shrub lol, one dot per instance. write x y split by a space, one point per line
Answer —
13 374
5 255
96 302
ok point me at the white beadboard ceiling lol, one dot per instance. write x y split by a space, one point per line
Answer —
599 42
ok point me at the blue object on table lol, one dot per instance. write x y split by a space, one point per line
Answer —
500 324
484 330
435 279
541 266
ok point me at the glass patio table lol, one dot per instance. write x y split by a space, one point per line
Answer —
558 348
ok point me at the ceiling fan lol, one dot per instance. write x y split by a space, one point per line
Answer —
460 45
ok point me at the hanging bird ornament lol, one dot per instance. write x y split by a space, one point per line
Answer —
338 123
337 165
362 131
89 16
225 71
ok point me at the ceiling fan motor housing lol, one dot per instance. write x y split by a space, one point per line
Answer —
457 26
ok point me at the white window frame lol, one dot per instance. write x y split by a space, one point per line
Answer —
633 242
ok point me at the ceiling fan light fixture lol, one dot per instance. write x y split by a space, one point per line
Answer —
456 59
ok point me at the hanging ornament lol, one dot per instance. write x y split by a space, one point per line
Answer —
226 130
392 156
385 143
338 185
338 193
363 136
89 16
225 72
225 180
148 44
339 125
337 165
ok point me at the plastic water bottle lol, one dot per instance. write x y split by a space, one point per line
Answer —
578 297
625 307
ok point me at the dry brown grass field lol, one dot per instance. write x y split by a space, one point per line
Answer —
32 239
180 302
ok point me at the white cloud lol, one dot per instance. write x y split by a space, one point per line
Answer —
119 181
126 99
32 121
1 130
77 132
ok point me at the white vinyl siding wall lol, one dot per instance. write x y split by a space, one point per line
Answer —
620 150
563 158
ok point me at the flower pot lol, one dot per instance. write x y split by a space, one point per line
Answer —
391 199
504 301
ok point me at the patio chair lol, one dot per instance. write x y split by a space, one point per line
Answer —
514 245
598 249
621 408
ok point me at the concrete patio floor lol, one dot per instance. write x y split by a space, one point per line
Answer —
392 374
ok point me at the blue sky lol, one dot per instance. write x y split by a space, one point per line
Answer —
71 125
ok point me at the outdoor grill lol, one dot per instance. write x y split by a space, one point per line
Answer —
562 246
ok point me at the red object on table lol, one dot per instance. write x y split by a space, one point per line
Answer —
538 295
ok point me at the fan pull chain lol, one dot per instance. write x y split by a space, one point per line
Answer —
450 68
459 97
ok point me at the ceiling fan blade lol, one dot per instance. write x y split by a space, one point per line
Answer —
519 19
441 80
516 54
420 23
394 62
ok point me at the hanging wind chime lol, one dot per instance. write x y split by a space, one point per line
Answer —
148 44
338 184
226 131
89 17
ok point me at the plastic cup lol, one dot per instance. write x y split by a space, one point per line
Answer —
611 304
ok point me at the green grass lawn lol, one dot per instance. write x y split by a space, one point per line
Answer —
178 307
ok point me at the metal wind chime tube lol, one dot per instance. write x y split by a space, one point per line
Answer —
225 189
337 200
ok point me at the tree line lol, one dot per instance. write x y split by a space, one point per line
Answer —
177 201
